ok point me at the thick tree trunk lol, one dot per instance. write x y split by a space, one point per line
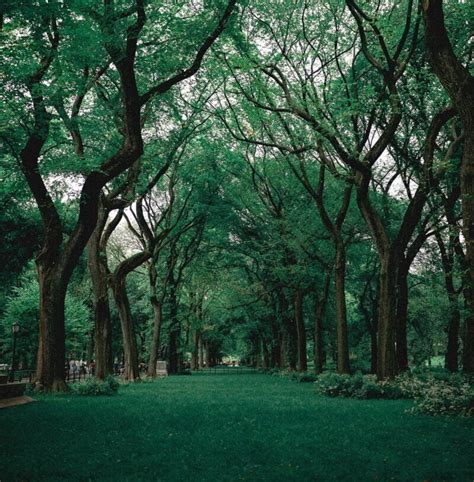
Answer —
155 340
97 262
50 374
341 311
119 289
131 371
386 352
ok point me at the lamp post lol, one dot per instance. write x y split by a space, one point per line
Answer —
15 330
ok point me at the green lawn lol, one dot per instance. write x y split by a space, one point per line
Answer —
229 428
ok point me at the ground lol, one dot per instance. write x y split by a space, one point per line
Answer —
225 427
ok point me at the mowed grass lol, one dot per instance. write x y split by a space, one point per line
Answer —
228 428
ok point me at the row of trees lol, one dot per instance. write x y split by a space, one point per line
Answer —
315 168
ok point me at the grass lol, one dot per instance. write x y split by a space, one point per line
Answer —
228 428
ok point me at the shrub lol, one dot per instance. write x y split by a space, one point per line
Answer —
303 377
439 393
93 386
337 385
444 398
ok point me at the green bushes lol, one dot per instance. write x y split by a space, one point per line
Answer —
356 386
95 387
444 398
303 377
434 393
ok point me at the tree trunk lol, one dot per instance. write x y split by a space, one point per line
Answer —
174 332
300 331
341 312
291 347
275 358
386 353
51 351
195 351
131 371
97 262
207 354
119 289
155 340
319 309
318 340
201 353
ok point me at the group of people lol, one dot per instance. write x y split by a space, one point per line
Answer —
79 369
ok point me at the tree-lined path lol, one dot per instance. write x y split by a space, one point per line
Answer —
229 428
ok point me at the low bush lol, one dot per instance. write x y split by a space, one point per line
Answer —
95 387
303 377
444 398
437 393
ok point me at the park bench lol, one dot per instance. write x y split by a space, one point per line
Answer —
10 390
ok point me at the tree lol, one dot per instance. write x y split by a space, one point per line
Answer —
459 85
58 257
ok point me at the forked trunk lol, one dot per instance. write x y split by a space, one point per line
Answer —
131 371
97 263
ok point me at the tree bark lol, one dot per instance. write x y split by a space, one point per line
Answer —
97 262
118 284
300 331
386 351
51 350
290 347
131 371
155 340
319 309
343 365
174 332
195 350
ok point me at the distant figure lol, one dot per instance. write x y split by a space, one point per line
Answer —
92 367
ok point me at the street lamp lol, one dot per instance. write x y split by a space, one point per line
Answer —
15 330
